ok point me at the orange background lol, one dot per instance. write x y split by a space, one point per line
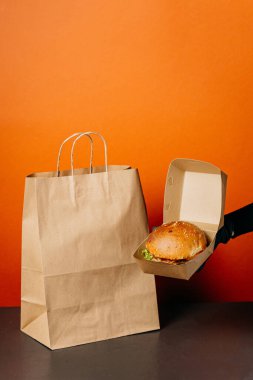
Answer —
160 80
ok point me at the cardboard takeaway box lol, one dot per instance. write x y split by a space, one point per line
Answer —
194 192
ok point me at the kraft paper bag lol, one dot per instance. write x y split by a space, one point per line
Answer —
80 283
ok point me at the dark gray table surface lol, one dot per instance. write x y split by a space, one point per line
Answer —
196 341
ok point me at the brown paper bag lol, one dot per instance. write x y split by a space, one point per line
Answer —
80 282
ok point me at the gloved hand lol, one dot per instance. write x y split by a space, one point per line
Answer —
236 223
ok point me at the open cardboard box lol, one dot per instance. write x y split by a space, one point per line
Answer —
194 192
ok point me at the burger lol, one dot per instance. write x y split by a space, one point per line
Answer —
175 243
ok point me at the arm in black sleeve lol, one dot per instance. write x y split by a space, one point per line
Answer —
236 223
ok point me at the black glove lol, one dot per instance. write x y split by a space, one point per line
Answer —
236 223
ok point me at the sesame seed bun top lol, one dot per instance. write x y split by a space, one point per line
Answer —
176 241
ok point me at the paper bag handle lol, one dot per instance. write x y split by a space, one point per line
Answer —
62 145
88 134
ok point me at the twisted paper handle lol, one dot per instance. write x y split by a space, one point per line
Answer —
88 134
62 145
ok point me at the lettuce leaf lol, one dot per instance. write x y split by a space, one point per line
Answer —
147 255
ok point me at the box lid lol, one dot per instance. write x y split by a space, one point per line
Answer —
194 192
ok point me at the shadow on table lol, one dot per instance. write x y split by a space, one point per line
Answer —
177 298
173 311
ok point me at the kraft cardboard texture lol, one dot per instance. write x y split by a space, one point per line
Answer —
194 192
80 283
